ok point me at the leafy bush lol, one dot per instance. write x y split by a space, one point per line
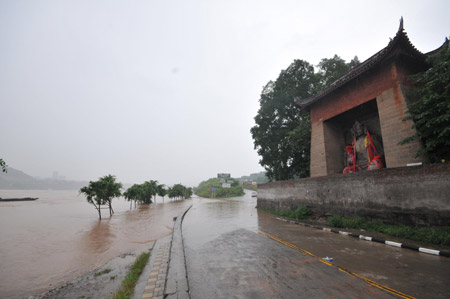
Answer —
302 212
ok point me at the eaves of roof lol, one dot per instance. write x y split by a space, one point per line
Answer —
400 41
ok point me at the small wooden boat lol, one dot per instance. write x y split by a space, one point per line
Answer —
19 199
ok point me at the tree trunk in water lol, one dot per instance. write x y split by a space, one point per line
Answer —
99 213
110 208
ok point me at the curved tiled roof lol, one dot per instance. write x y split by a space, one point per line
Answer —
400 40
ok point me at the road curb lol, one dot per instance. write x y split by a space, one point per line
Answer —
177 284
372 239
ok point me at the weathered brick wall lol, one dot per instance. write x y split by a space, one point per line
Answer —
409 195
318 164
391 109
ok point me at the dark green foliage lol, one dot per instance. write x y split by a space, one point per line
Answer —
3 166
431 112
424 234
161 190
302 212
331 69
282 134
135 193
179 191
102 192
204 188
143 193
128 284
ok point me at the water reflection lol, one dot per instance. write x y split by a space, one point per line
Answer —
99 238
210 218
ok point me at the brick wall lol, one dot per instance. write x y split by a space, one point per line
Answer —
409 195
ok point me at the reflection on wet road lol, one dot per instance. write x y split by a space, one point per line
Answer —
227 258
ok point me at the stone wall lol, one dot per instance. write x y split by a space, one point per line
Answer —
411 195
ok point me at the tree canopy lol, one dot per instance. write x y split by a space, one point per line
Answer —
431 111
282 133
102 192
3 166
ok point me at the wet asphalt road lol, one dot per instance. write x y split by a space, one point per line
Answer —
228 257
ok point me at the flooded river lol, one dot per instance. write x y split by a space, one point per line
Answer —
58 237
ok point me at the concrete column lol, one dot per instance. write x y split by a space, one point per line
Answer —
318 163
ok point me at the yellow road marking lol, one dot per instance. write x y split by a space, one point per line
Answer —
371 282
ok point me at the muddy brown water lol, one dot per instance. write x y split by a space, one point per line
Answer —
58 237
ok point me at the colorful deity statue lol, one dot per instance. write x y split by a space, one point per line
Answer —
363 154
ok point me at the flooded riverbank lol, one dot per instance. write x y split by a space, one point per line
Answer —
59 237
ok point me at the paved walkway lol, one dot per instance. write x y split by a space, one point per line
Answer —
157 279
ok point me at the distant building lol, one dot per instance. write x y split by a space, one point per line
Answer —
373 93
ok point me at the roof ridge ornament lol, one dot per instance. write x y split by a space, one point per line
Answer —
400 28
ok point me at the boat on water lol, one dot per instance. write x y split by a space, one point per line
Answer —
19 199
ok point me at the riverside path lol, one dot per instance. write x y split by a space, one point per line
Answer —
234 251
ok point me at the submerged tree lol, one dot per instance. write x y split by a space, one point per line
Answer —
161 190
177 191
102 192
135 193
148 191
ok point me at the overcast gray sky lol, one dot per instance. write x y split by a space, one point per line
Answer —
168 90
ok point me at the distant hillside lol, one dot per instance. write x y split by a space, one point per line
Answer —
259 178
18 180
204 189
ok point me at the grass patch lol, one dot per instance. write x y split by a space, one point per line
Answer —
106 271
128 284
302 212
422 234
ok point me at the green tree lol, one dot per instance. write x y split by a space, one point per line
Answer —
431 111
278 119
177 191
161 190
3 166
331 69
154 188
282 134
135 193
148 190
102 192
